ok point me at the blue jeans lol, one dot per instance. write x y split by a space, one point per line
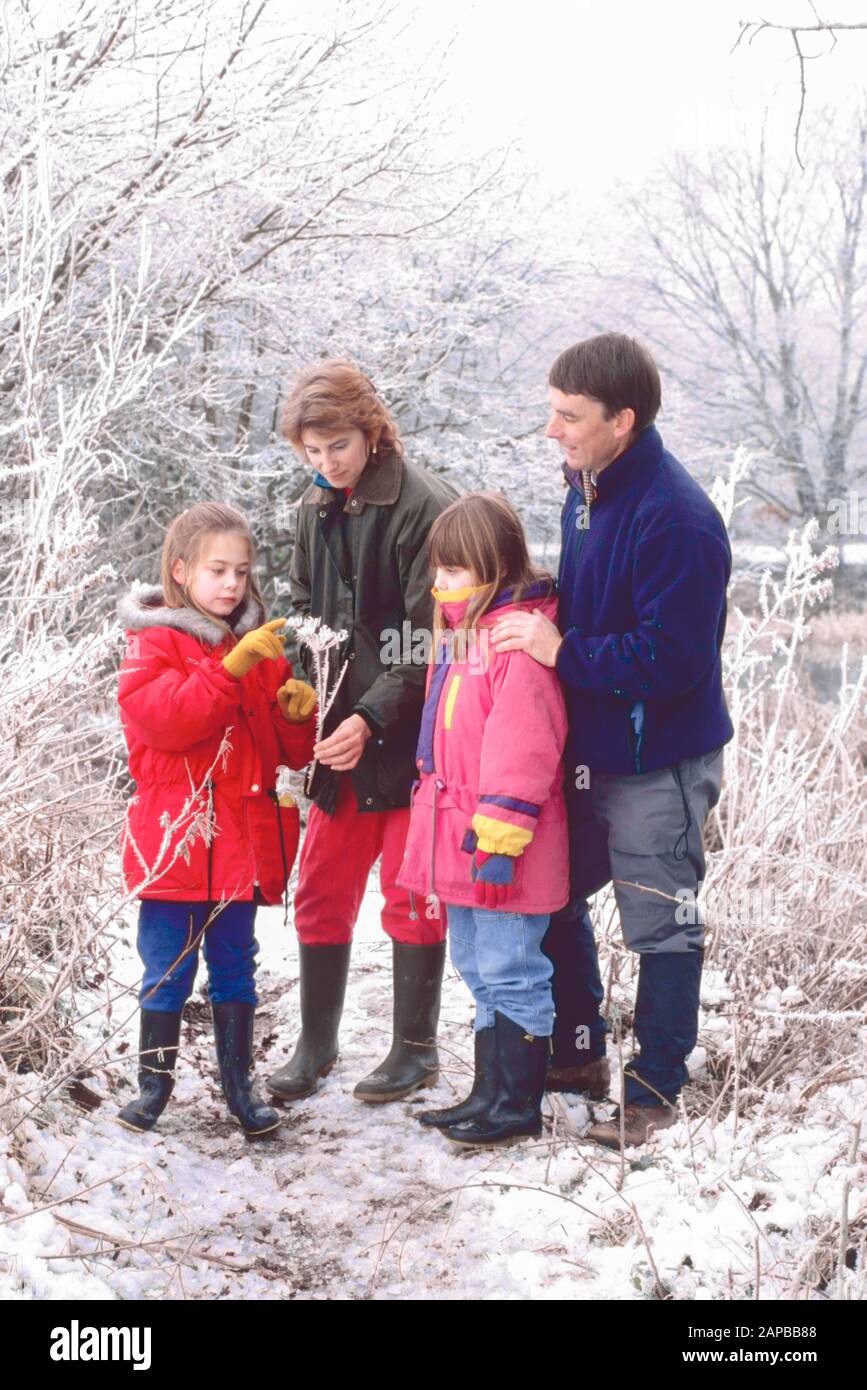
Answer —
498 955
169 935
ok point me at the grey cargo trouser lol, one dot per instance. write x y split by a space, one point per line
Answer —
644 833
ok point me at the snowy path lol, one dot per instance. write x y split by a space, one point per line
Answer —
355 1201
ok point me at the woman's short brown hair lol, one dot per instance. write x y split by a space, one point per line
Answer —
336 395
614 370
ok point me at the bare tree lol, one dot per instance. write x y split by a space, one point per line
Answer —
750 29
286 186
197 198
759 278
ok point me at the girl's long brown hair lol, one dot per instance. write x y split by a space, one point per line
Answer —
336 395
483 532
184 540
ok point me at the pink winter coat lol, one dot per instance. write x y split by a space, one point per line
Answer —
490 766
177 701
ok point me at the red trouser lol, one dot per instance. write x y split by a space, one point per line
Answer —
338 854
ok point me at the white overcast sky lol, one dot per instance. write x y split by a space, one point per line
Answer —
603 91
598 91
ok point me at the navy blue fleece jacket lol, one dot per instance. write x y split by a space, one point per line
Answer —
642 606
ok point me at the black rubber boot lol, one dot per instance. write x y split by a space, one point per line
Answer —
579 1029
516 1109
322 988
482 1092
233 1034
666 1025
159 1034
413 1060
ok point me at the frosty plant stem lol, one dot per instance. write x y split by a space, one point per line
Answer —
321 641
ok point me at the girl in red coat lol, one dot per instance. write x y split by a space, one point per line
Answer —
487 833
209 709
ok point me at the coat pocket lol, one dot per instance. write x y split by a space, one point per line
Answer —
275 824
642 814
154 862
394 766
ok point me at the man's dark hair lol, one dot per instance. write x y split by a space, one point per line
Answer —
614 370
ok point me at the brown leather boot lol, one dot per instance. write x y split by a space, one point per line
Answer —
639 1123
591 1080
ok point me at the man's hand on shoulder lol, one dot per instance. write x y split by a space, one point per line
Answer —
532 633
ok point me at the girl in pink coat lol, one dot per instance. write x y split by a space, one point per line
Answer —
487 832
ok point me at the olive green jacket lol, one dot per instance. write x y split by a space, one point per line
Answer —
360 564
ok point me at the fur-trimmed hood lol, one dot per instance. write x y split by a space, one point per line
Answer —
145 606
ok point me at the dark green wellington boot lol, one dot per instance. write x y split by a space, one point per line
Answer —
413 1060
159 1034
233 1034
322 989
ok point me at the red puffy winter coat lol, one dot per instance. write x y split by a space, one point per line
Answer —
204 826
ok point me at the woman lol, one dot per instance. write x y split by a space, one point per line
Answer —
360 564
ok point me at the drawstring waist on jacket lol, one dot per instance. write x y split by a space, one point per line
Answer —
439 786
210 819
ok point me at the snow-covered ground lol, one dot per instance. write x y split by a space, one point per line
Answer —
354 1201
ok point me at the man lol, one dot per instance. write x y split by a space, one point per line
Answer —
360 564
644 568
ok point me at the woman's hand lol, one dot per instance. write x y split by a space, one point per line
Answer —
342 750
260 645
297 701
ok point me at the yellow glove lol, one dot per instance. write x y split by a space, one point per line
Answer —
297 701
255 647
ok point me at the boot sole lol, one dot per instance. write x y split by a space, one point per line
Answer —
302 1095
557 1090
444 1124
260 1133
379 1098
134 1129
490 1143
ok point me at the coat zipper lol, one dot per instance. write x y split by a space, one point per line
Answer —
413 915
438 787
210 786
256 880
